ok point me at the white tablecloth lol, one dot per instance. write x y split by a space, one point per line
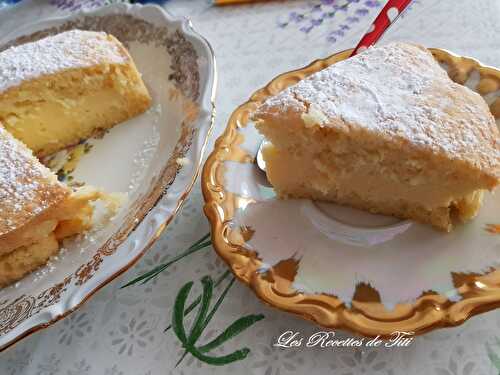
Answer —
120 331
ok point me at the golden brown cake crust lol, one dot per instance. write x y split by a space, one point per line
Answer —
27 188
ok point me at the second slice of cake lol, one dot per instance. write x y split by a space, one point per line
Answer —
386 131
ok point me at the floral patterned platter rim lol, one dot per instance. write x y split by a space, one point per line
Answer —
193 78
366 315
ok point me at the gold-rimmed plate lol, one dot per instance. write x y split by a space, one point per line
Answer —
153 158
340 267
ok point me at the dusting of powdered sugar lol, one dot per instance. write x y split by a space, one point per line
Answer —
69 50
26 187
400 92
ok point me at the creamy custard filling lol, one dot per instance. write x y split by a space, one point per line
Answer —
366 183
34 234
72 216
42 241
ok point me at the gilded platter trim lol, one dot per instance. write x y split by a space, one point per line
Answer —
186 79
367 316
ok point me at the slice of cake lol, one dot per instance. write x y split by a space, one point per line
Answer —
385 131
59 90
36 211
